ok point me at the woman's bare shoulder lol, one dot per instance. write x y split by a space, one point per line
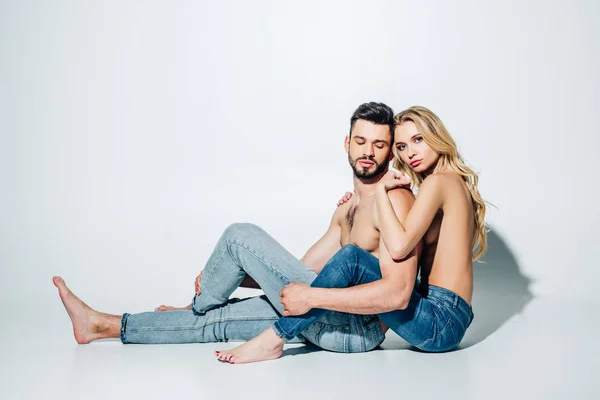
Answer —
448 182
441 179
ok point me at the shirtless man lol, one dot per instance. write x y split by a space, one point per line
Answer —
247 255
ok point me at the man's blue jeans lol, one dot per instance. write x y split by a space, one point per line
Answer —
246 249
434 323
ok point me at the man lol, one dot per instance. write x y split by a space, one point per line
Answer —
246 251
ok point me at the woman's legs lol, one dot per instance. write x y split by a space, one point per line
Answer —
348 267
436 323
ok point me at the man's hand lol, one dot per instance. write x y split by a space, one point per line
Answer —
294 298
344 198
198 284
393 179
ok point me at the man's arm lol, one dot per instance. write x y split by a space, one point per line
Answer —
391 293
317 256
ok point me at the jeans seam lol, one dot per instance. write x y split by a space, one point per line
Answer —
210 271
463 311
347 342
265 262
363 328
435 318
195 327
455 316
286 333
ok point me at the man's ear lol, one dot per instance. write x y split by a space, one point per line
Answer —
347 143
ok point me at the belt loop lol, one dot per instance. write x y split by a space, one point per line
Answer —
456 298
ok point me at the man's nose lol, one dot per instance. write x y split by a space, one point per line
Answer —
369 150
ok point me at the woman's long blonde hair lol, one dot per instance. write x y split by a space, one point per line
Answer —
437 137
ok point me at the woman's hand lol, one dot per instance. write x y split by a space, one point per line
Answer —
344 198
393 179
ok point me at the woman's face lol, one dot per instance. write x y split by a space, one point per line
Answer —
412 149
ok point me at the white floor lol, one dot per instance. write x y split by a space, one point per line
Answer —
547 350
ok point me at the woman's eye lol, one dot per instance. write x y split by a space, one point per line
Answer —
418 139
401 147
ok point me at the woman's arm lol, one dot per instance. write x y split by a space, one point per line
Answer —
401 239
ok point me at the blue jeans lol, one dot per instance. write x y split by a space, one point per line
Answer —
433 323
247 249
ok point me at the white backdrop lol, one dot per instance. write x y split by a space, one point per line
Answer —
133 133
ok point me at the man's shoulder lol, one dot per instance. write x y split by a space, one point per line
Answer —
341 211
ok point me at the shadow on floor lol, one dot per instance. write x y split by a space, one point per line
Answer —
501 291
296 351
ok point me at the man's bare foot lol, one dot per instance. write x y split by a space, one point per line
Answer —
171 308
266 346
88 324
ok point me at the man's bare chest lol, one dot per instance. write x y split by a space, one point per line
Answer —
358 226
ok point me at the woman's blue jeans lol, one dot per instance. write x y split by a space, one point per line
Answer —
433 323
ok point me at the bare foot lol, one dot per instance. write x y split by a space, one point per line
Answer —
88 324
171 308
266 346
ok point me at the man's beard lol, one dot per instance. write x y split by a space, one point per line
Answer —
362 173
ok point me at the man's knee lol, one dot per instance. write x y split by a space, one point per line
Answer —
241 230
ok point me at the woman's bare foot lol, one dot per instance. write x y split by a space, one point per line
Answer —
88 324
171 308
266 346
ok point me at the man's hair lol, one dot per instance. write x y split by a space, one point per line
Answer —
377 113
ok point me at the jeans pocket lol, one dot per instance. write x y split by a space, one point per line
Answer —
329 337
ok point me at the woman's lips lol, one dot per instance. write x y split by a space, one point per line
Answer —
415 163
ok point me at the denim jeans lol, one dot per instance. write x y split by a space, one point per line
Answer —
434 323
247 249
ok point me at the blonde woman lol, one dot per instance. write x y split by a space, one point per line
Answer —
447 217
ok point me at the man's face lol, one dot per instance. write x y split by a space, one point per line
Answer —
369 150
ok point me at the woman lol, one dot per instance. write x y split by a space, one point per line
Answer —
448 216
